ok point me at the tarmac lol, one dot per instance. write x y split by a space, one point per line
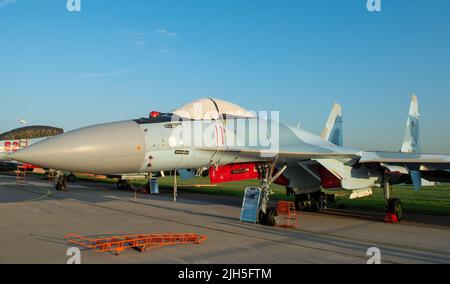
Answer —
35 218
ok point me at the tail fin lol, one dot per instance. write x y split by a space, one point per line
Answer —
333 128
411 141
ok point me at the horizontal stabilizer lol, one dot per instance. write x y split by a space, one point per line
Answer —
440 161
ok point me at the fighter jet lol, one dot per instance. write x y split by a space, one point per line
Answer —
235 144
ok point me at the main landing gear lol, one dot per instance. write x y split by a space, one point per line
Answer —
123 184
268 215
126 185
394 206
313 202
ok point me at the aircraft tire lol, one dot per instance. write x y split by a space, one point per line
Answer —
262 218
59 186
314 207
123 185
71 178
147 188
301 201
395 207
271 217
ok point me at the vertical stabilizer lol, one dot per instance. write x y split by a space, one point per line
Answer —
333 128
411 141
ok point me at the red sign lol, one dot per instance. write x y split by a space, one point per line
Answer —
234 172
16 146
7 146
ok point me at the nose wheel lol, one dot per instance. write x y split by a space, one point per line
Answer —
61 184
270 218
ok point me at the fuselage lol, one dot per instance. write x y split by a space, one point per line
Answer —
168 142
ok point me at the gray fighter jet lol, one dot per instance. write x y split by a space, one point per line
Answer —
235 144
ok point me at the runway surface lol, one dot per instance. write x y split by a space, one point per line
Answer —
35 218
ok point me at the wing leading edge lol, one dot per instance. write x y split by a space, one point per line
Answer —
282 156
440 161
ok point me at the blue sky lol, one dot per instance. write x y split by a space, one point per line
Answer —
120 59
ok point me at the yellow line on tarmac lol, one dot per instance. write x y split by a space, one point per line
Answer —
49 192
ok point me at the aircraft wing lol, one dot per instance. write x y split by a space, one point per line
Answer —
434 160
282 156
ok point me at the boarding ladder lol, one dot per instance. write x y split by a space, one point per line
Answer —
22 167
287 215
144 242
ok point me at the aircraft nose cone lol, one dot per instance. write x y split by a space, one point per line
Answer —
113 148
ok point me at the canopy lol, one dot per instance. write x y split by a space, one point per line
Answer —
31 132
211 109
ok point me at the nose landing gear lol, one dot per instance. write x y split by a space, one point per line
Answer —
61 184
267 215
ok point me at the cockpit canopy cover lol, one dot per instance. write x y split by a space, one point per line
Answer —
31 132
208 109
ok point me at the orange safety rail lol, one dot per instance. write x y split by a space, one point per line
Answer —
287 212
142 242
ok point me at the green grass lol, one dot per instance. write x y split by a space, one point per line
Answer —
235 189
430 200
229 189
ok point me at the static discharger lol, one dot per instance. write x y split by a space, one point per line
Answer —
144 242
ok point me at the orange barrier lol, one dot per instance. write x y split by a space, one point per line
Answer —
287 213
142 242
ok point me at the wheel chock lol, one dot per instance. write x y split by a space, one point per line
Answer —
391 218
